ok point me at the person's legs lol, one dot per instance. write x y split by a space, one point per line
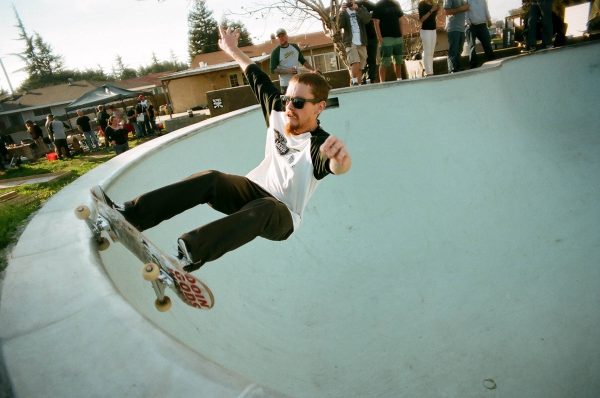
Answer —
486 43
532 20
546 7
251 212
372 60
397 53
454 49
428 38
471 36
266 217
386 58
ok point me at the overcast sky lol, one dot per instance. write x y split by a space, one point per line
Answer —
91 33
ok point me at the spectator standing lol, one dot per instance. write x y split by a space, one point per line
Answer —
84 125
539 10
58 135
286 58
456 11
102 117
117 135
428 10
37 135
152 118
3 153
479 19
141 117
387 17
353 20
372 45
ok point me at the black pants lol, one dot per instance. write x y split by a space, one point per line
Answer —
251 212
479 32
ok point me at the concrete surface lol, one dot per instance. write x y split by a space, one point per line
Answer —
460 257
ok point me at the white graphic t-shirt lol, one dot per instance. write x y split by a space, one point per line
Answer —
287 171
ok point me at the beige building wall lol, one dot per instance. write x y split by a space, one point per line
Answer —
190 91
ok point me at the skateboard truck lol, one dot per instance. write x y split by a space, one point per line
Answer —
160 280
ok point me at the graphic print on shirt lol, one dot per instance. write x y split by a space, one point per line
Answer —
282 147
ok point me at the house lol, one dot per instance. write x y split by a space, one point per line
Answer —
149 83
37 103
213 71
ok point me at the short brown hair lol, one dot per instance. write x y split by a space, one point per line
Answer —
316 82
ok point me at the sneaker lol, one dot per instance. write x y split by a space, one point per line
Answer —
184 256
99 193
183 252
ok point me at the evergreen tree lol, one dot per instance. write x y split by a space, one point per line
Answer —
43 67
47 62
245 39
203 30
121 71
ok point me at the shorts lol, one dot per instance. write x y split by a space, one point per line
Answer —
356 54
391 48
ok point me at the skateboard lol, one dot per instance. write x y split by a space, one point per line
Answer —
161 270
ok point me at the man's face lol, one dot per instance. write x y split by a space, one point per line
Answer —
299 121
283 39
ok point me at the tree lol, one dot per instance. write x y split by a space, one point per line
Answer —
43 67
203 30
245 39
121 71
47 62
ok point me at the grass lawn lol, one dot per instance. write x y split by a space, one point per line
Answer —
28 198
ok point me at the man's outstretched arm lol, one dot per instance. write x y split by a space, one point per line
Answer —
229 44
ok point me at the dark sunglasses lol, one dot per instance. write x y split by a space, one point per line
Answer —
298 102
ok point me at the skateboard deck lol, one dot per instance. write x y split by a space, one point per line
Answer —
161 270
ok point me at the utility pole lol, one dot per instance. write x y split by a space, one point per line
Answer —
12 92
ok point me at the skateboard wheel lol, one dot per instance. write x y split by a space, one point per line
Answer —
151 272
103 243
82 212
164 305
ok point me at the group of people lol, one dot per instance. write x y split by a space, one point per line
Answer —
111 124
373 38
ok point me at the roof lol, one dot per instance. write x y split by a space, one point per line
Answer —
304 41
210 68
142 82
53 95
102 95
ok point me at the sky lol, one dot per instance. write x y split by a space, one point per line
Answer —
92 33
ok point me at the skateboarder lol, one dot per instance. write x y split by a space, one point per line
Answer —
270 200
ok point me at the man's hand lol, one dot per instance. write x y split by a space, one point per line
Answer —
339 159
228 38
228 42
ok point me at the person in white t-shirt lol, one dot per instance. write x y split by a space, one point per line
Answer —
270 200
287 60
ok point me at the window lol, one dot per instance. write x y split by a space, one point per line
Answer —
233 80
325 62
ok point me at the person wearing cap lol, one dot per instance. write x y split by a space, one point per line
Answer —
286 58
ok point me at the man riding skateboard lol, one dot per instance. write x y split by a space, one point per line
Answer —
270 200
